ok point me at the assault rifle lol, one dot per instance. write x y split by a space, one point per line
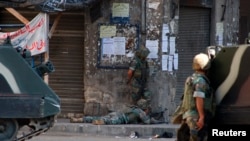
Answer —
143 80
158 116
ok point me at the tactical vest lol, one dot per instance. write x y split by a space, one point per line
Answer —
141 70
189 100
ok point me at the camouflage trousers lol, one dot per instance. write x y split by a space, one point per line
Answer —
137 92
188 130
111 118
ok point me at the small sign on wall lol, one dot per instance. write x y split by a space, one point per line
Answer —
120 13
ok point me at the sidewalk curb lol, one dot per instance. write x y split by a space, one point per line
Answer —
114 130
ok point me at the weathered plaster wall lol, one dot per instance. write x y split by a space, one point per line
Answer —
231 22
106 89
162 83
226 23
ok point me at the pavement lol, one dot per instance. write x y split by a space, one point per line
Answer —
122 130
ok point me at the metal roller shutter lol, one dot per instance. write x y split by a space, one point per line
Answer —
194 37
66 53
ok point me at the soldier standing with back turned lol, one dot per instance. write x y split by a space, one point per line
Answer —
197 104
138 74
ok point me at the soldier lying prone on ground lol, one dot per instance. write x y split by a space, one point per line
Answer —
134 115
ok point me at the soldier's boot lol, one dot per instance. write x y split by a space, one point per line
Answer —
98 122
76 120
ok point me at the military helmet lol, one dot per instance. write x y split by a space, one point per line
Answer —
142 52
142 103
201 61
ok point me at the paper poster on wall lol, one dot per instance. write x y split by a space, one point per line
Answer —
164 62
176 58
172 45
107 46
107 31
219 39
164 46
117 43
165 32
113 46
170 63
120 13
219 33
153 5
152 45
120 10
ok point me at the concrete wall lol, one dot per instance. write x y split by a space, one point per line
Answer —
106 89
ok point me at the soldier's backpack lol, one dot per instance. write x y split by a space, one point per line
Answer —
180 110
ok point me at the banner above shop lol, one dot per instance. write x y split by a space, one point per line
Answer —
33 36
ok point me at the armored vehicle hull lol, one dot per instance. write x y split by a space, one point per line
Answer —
230 78
25 99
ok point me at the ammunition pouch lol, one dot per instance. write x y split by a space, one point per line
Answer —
137 73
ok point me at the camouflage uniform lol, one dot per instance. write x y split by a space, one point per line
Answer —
188 130
132 115
139 65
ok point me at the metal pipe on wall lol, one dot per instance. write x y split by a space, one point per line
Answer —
143 16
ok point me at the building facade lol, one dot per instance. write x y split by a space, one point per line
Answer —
178 29
91 80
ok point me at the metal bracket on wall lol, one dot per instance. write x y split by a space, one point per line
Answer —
224 10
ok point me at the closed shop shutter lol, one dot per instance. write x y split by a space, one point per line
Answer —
66 53
194 37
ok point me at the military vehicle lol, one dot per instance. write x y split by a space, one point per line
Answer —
230 78
25 99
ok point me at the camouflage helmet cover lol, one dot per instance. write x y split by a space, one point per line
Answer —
142 52
142 103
